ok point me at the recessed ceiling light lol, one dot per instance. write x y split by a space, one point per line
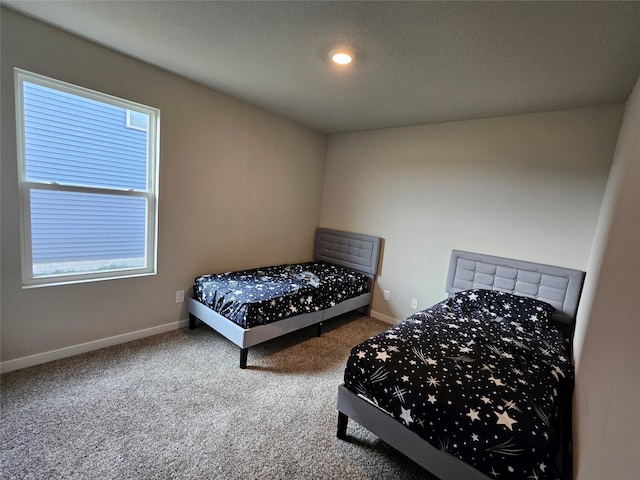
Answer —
342 56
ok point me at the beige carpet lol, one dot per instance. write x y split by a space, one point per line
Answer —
176 405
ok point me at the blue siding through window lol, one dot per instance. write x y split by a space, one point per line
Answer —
71 226
75 140
86 141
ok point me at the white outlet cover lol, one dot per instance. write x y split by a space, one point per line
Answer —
179 296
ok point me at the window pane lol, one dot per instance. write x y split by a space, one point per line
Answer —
75 140
75 232
137 120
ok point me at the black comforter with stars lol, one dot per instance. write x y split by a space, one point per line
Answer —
264 295
481 376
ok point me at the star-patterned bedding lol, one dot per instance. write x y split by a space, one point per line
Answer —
481 375
264 295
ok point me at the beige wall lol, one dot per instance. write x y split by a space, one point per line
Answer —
239 187
607 340
527 187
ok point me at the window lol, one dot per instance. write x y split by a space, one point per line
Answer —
88 167
137 120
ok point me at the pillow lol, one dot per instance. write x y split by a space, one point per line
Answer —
507 305
310 278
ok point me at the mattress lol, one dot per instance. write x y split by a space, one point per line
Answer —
481 375
265 295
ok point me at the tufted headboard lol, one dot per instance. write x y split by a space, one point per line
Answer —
352 250
558 286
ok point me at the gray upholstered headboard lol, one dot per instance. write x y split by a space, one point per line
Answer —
352 250
558 286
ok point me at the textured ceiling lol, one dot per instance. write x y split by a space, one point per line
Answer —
418 62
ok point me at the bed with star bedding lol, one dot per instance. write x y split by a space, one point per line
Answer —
252 306
478 385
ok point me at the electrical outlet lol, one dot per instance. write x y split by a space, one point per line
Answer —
414 303
179 296
385 294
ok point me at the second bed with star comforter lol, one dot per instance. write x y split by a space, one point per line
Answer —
264 295
482 376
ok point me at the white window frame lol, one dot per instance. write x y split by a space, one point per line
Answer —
25 186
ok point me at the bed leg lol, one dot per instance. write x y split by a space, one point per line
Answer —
192 321
243 357
343 420
319 334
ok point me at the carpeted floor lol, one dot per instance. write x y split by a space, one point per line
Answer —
176 405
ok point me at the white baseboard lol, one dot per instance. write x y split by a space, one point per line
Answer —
384 318
39 358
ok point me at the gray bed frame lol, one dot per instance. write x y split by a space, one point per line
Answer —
356 251
561 287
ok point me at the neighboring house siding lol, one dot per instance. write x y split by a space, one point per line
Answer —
57 126
114 231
